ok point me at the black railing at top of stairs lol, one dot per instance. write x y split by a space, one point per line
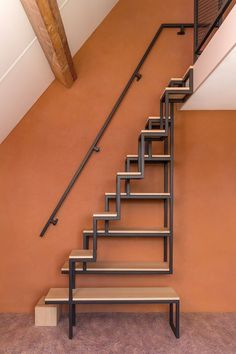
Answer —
208 15
94 147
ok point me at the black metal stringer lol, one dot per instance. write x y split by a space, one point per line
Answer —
165 135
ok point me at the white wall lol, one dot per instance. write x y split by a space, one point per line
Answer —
24 71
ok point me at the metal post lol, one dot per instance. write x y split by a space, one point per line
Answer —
167 113
171 186
166 190
127 181
106 222
95 237
118 186
195 41
177 321
161 115
171 313
142 152
71 287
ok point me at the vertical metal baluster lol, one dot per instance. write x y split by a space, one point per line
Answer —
127 181
139 155
196 28
171 186
142 152
106 222
177 319
118 183
171 314
166 190
161 115
95 238
71 287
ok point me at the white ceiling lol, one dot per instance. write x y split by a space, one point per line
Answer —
24 71
215 71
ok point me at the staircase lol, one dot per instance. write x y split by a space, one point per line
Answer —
84 261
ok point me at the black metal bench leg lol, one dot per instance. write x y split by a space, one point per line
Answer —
74 314
177 320
171 314
175 326
70 321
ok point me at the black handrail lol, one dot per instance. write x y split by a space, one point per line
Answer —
204 23
136 75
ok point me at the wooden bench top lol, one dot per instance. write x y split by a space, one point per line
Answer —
112 294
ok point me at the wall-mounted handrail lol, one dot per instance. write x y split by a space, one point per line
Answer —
94 147
200 23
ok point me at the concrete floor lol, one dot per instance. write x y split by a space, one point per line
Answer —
108 333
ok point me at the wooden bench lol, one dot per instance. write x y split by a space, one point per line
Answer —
160 295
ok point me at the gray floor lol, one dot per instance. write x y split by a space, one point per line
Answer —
108 333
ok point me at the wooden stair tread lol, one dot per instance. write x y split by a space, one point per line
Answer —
122 266
129 173
176 92
140 194
157 118
81 254
191 67
146 131
176 79
105 213
164 231
112 294
154 156
177 88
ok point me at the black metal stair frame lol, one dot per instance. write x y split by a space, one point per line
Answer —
136 76
165 134
159 129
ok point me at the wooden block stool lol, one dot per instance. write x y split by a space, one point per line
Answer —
46 315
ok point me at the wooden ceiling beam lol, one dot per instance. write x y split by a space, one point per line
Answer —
45 18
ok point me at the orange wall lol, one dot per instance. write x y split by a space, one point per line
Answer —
41 154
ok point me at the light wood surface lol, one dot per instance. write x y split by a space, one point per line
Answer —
46 315
189 68
155 156
177 89
145 131
105 214
180 92
123 266
46 21
113 294
160 231
140 194
152 117
81 254
129 173
57 294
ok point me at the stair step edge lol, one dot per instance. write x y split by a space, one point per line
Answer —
112 294
120 266
130 231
